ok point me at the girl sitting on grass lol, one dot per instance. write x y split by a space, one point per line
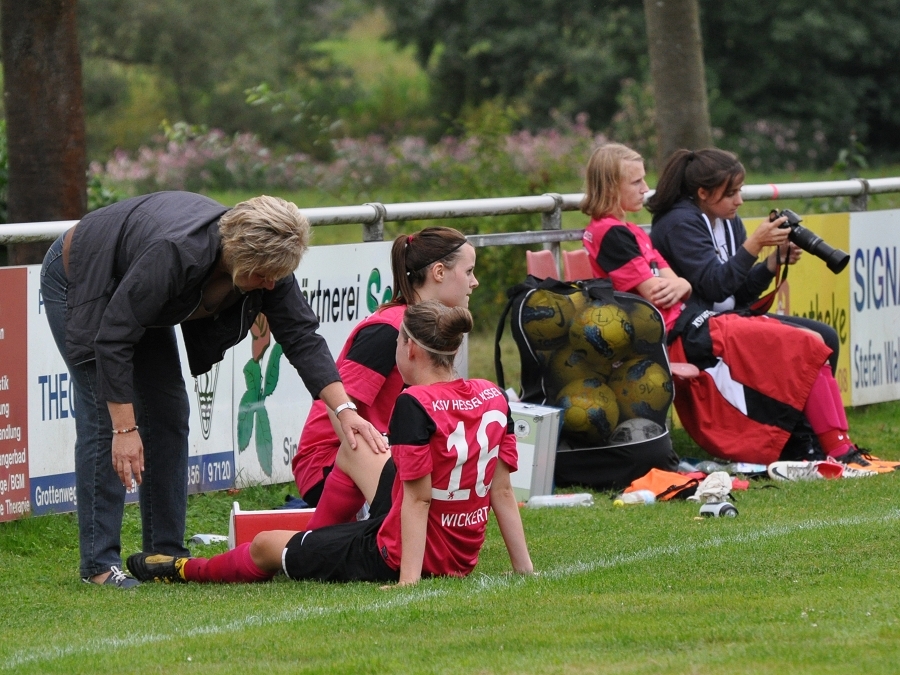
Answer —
452 450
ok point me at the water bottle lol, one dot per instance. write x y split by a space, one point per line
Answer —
708 467
578 499
745 468
636 497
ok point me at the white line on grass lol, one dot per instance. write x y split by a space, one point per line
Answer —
402 598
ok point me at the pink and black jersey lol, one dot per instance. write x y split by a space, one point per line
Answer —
735 408
623 252
368 368
456 431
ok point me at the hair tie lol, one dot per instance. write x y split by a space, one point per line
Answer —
425 347
442 256
691 156
409 239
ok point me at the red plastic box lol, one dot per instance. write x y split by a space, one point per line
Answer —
244 525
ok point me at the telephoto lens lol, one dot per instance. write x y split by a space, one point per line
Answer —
835 259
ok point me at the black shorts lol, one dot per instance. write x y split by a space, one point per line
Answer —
345 552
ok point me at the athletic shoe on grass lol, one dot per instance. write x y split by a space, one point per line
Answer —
853 472
814 470
116 578
859 458
790 471
157 567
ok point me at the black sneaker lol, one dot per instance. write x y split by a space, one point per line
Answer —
856 456
116 578
860 458
157 567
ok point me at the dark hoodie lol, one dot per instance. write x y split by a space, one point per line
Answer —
684 238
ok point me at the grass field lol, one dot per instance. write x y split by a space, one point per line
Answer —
802 581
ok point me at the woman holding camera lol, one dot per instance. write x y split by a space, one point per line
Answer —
698 231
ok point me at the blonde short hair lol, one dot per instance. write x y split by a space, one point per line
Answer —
603 179
264 235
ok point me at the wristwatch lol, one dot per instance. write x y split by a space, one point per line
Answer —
344 406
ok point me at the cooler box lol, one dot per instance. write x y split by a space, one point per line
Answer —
244 525
537 430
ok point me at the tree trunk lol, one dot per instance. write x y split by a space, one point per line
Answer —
44 116
679 79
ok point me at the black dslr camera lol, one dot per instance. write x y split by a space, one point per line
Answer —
834 258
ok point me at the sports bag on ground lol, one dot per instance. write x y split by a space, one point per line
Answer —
599 355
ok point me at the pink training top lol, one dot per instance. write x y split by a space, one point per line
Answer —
622 252
368 368
455 431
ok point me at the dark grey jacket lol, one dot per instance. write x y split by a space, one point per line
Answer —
142 263
684 239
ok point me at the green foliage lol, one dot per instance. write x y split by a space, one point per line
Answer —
4 172
851 158
208 53
824 68
564 55
100 194
305 112
788 81
633 124
391 90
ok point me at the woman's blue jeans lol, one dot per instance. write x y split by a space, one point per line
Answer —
162 413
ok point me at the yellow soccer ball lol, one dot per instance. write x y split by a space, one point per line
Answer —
643 388
648 327
568 364
590 411
546 319
604 332
580 300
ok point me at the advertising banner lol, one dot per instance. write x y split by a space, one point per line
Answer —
246 413
14 456
343 285
875 296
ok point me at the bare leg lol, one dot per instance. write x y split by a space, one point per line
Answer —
363 465
267 547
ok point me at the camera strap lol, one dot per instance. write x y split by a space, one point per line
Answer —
765 302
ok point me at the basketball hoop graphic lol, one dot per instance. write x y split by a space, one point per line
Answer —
205 386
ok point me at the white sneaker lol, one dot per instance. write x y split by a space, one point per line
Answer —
805 470
793 471
851 472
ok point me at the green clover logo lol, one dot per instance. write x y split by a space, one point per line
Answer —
252 409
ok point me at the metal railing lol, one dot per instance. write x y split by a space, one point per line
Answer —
373 216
